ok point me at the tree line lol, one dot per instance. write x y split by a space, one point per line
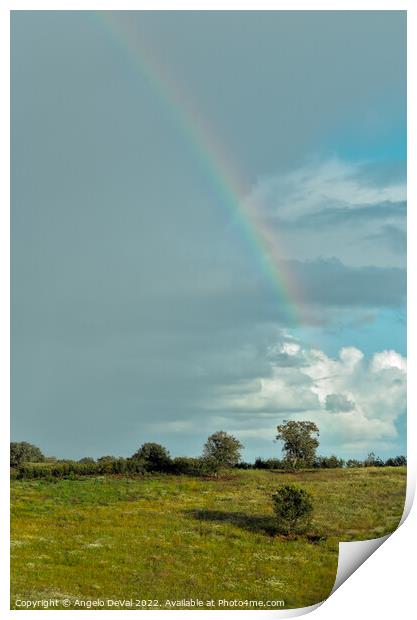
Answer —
221 452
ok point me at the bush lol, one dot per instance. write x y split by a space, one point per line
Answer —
155 458
244 465
291 466
24 452
33 471
74 469
328 462
187 466
293 508
354 463
259 463
268 464
397 461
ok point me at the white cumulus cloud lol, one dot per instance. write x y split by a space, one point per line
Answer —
356 401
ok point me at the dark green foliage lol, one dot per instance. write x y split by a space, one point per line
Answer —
187 466
268 464
24 452
110 465
353 463
244 465
74 469
398 461
293 508
328 462
221 450
259 463
300 442
155 458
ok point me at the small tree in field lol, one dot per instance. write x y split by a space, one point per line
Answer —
293 508
300 442
221 451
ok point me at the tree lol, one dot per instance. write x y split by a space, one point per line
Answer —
293 508
300 443
328 462
154 457
221 450
373 461
354 463
24 452
398 461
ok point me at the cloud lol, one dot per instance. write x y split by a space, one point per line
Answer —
336 183
339 402
352 211
387 360
394 237
355 400
345 215
330 282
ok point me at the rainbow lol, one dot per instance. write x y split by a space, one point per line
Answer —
211 156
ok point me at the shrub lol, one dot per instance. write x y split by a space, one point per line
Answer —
354 463
107 465
293 507
155 458
328 462
74 469
268 464
135 467
244 465
397 461
187 466
291 466
32 471
24 452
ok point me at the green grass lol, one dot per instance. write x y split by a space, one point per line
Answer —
173 537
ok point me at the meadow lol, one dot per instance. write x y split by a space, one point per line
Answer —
154 540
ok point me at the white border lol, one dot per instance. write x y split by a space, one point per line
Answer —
383 587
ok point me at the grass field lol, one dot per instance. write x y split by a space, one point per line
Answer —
168 538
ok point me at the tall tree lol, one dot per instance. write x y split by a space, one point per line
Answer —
300 442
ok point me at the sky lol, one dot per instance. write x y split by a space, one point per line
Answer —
208 229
